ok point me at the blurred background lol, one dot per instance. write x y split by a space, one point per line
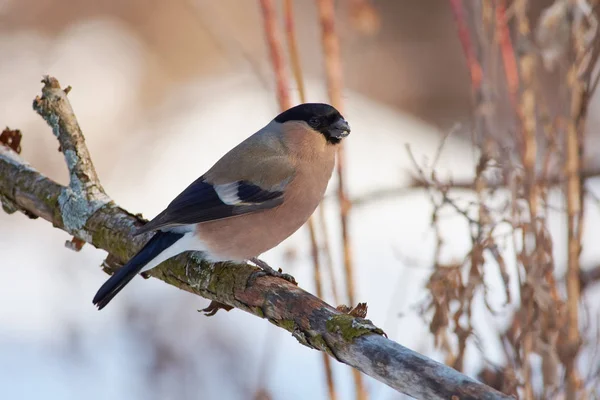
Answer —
161 91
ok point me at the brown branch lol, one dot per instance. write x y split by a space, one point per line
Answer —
574 195
270 23
331 50
288 12
465 40
526 109
351 340
511 69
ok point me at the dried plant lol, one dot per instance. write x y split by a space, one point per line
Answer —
528 143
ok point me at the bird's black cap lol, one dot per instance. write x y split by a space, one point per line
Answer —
319 116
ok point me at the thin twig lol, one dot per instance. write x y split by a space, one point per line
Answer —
465 40
327 253
526 109
270 24
507 51
288 12
275 50
573 188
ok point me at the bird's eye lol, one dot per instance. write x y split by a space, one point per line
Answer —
314 122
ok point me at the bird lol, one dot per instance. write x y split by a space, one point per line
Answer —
253 198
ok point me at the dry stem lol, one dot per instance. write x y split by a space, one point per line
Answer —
270 24
546 324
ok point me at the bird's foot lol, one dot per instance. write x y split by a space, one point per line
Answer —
215 306
268 271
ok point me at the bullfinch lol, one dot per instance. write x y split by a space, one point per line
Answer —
253 198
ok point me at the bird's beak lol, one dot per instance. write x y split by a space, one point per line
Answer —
340 129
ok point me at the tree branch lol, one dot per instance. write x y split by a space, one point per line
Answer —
351 340
85 195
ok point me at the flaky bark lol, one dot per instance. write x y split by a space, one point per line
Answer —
82 209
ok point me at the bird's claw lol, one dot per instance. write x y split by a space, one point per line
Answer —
266 270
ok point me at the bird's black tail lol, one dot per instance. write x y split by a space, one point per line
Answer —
159 242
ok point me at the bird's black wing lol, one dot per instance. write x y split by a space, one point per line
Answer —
203 201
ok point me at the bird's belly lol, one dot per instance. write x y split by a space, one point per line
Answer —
247 236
